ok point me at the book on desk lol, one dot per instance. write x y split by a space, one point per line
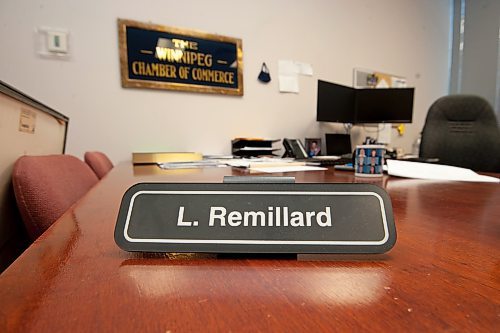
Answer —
164 157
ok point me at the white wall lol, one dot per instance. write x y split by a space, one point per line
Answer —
403 37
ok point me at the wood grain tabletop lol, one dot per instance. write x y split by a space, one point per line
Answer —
443 274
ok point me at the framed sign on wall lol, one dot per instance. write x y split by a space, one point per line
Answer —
160 57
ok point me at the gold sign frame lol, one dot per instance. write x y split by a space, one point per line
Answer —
128 82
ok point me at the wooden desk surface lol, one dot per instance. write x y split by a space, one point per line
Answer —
442 275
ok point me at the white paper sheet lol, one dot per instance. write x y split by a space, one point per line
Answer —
262 161
384 133
382 84
398 82
289 83
291 168
191 165
288 67
288 74
435 171
304 68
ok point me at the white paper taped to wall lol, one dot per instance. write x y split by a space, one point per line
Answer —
289 83
289 71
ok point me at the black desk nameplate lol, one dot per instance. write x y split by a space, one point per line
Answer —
256 218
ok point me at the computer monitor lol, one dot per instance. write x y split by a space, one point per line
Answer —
385 105
338 144
335 103
341 104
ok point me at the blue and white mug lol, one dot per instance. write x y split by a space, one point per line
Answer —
369 161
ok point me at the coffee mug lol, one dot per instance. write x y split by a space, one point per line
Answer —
369 160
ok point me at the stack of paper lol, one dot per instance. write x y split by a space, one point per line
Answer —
191 165
287 168
272 165
435 171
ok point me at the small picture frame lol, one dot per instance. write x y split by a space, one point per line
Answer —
313 146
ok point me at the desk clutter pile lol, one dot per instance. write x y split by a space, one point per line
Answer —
186 160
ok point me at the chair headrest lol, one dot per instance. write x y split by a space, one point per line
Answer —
462 108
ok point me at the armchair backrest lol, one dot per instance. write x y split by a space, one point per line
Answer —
98 162
46 186
462 130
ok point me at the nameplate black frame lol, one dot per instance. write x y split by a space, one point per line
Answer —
160 217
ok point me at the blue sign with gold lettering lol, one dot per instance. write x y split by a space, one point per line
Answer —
154 56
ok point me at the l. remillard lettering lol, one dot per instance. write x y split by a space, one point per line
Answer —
273 217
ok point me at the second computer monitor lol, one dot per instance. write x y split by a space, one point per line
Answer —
385 105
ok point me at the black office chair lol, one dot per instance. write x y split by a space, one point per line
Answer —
462 130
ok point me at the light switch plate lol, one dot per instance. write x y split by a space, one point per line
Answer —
57 41
52 43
